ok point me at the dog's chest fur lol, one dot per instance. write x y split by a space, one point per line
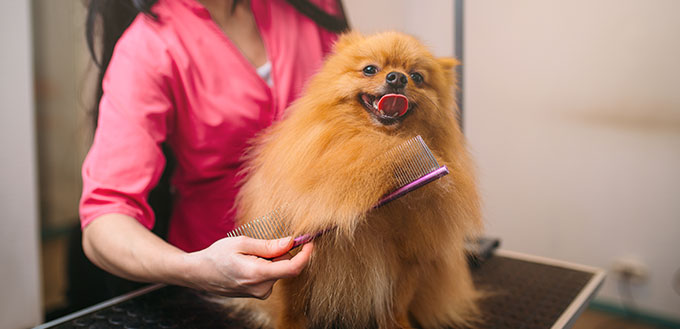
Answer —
352 283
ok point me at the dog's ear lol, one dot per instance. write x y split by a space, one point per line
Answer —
448 64
347 39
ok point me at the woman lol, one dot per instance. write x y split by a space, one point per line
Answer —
202 77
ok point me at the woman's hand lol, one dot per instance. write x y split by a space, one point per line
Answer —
232 266
244 267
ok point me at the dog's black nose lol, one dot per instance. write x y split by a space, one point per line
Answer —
396 79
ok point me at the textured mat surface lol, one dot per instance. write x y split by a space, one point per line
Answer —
524 295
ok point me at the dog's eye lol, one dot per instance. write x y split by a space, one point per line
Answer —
370 70
417 78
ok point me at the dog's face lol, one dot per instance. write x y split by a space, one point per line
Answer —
391 77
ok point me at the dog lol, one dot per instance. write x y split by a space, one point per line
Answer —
322 167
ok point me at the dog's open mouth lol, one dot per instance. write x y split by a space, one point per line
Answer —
388 109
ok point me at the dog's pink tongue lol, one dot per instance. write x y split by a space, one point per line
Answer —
394 105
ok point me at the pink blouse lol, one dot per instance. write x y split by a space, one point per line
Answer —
180 80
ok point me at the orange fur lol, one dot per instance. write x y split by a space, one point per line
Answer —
322 167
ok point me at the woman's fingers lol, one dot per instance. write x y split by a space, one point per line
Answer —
287 268
265 248
249 267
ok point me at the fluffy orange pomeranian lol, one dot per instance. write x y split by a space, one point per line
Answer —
323 166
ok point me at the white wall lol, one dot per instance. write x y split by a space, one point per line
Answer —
431 20
20 303
573 114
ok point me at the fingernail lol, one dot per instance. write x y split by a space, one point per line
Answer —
285 242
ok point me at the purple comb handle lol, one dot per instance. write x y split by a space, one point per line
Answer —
420 182
414 185
302 239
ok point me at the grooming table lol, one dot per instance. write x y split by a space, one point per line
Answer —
528 293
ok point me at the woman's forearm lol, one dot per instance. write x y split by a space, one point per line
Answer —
121 245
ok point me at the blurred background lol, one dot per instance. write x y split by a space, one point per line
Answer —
571 108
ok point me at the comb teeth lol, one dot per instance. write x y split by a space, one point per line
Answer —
412 160
270 226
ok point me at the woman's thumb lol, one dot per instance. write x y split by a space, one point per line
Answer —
268 248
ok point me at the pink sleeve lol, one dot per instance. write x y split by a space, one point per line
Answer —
125 160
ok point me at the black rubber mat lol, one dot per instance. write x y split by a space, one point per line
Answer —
526 295
166 308
523 295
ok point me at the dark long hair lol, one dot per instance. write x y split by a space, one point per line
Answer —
106 22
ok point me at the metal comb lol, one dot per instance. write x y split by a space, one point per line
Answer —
270 226
417 168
